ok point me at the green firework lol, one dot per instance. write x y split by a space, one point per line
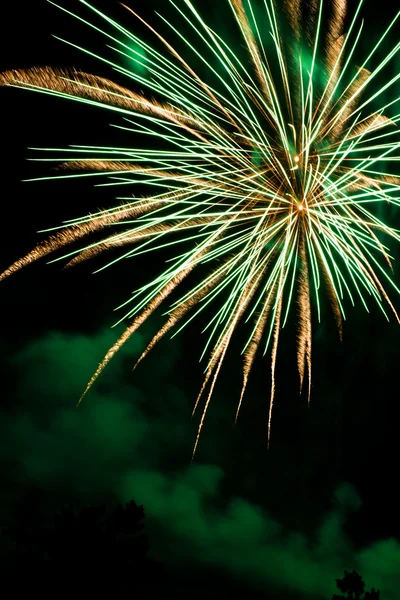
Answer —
267 166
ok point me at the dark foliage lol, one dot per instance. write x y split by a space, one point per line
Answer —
94 546
352 587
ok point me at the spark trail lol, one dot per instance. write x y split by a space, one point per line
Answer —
270 171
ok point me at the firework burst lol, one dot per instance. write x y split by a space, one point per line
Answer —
270 171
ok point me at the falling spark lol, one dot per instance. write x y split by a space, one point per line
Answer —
271 170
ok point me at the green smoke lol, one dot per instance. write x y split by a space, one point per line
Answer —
121 442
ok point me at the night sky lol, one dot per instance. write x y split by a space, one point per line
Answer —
278 523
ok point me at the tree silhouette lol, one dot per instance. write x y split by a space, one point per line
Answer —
94 545
352 587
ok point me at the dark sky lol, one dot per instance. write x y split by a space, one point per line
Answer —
287 520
